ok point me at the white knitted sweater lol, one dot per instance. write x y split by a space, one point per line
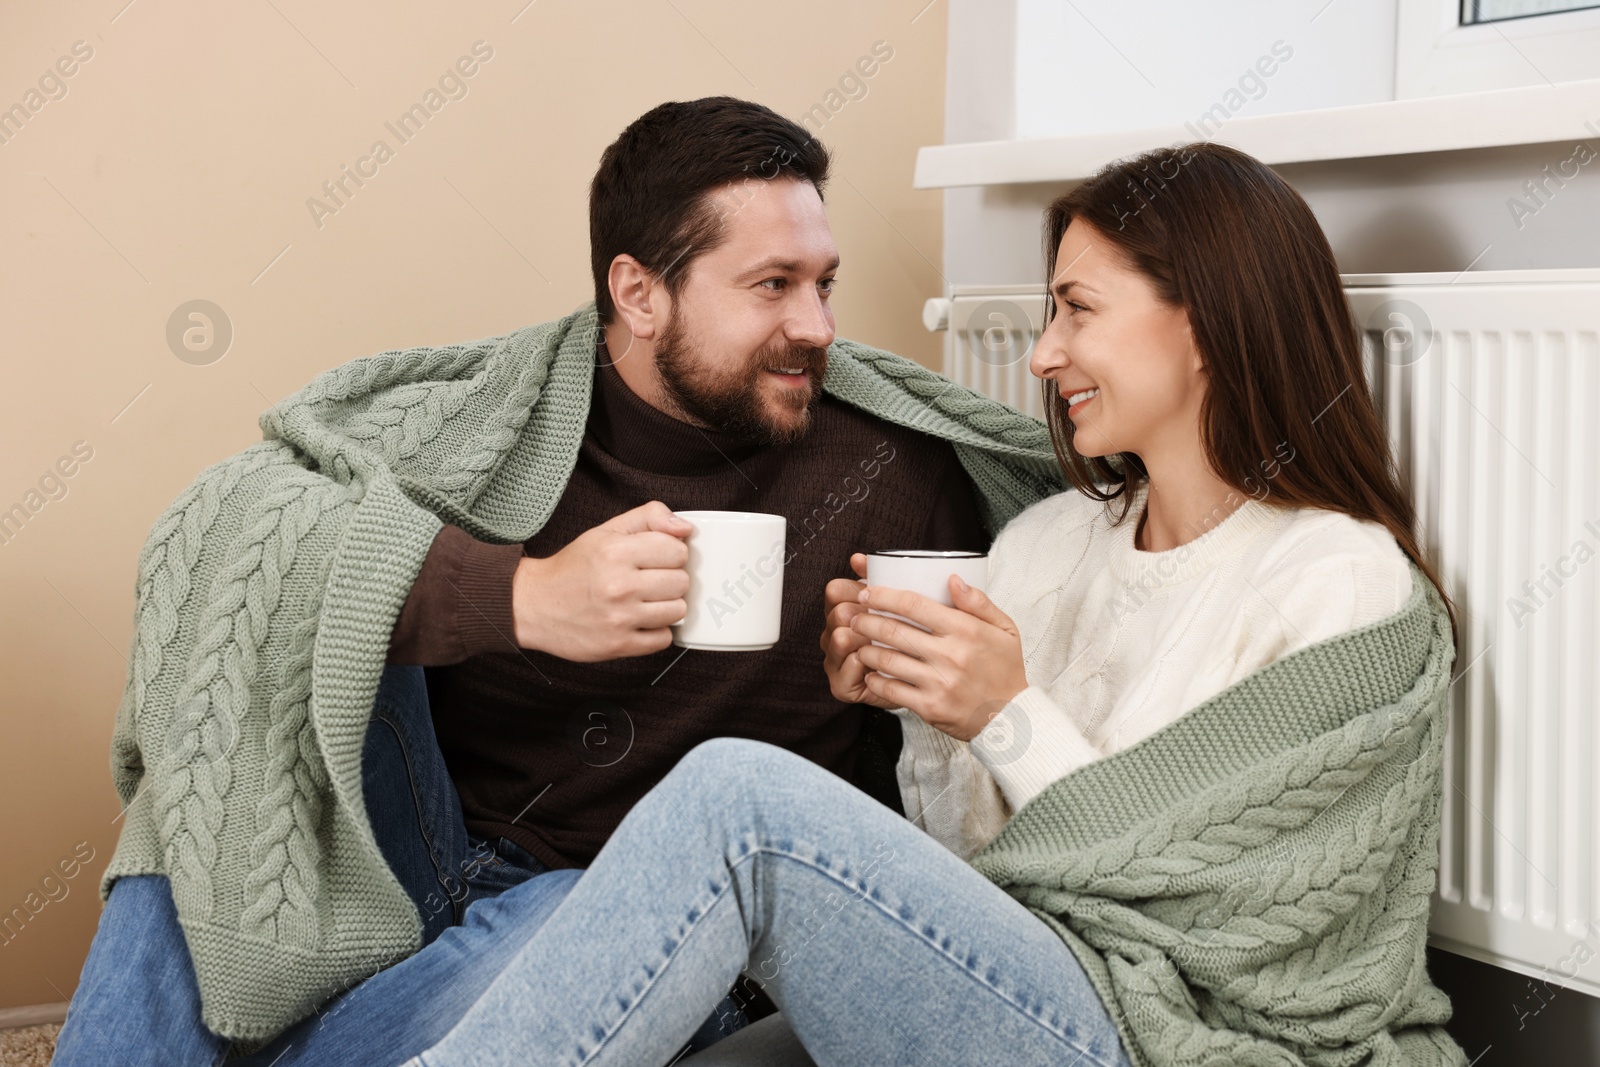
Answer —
1118 642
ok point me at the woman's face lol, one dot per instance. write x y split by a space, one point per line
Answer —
1110 332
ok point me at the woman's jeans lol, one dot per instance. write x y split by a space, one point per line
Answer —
879 945
137 1001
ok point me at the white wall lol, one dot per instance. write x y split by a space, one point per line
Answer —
1097 65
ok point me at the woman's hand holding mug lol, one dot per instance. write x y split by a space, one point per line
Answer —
955 677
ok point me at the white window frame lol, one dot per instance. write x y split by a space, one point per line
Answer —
1435 54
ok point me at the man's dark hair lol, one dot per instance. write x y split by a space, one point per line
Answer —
650 197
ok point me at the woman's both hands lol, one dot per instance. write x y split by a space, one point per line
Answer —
955 677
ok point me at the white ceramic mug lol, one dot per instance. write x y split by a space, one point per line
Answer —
735 581
925 571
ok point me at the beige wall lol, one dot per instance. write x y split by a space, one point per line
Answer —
177 166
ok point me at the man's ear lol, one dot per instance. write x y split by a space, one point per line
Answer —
633 291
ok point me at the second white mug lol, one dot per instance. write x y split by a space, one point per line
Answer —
925 571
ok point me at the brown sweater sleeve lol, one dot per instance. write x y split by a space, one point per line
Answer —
460 604
954 523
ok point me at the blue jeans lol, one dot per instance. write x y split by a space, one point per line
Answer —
878 944
138 1003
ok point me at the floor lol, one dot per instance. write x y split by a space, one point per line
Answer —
1488 1021
28 1046
1504 1019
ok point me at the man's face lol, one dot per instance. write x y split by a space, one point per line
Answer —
751 308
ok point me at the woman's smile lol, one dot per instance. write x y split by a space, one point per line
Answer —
1086 395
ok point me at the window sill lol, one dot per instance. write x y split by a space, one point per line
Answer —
1536 114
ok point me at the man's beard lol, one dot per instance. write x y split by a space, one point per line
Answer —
733 403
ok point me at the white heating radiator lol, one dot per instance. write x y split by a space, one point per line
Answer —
1489 383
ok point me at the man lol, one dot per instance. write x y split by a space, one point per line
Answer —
542 468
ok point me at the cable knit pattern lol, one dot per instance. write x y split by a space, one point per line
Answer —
500 430
264 600
167 562
282 887
1251 884
233 628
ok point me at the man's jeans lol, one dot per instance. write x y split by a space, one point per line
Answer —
137 1001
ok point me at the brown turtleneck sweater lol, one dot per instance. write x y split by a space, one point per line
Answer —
551 753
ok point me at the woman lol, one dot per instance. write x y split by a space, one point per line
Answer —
1177 854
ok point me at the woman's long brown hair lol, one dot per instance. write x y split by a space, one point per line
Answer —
1220 235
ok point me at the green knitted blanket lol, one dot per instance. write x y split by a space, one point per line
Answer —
266 594
1250 885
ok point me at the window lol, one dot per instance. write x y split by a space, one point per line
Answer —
1464 46
1474 12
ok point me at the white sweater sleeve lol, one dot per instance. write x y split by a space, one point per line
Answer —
946 792
962 793
1031 743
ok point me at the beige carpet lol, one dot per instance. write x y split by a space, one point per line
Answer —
28 1046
